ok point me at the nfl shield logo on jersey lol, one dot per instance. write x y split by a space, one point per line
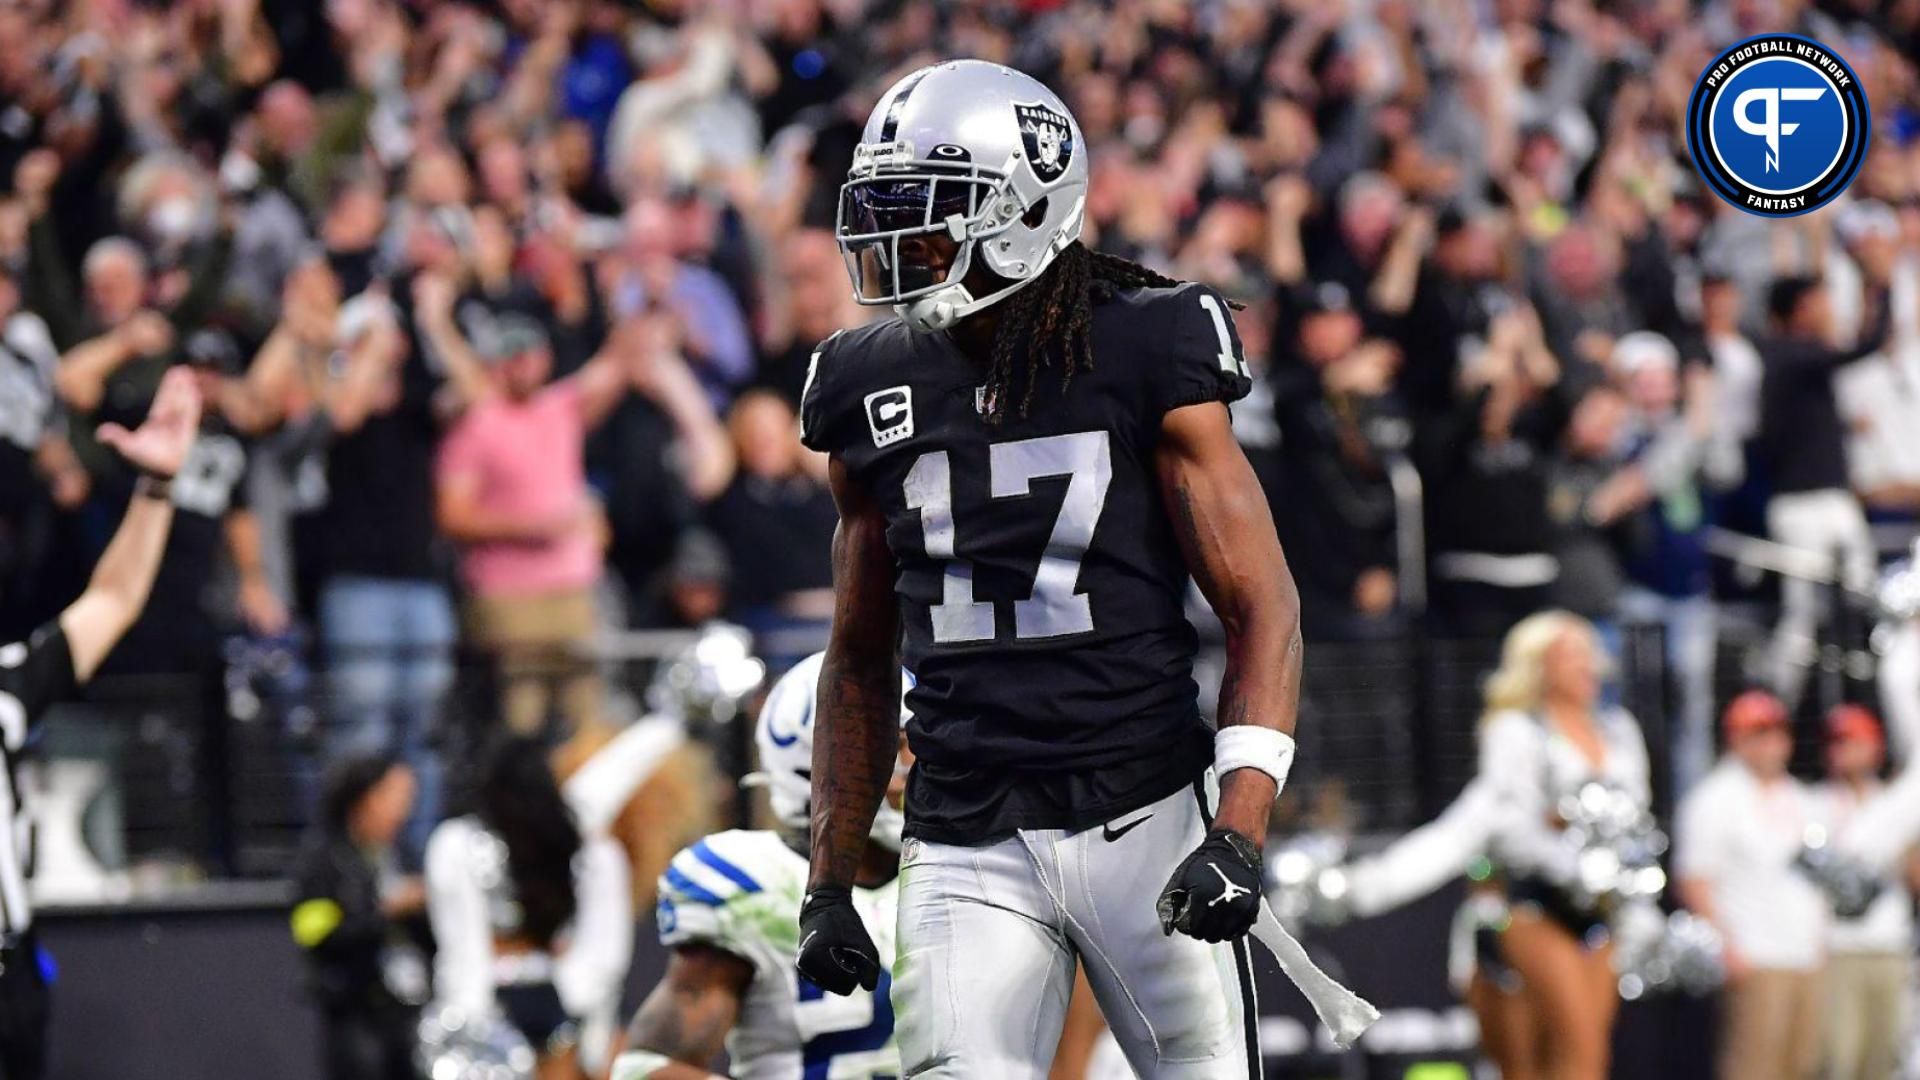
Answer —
890 415
1048 139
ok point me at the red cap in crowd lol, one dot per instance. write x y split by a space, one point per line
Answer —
1849 722
1752 711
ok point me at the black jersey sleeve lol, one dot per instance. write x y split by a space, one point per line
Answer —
1204 362
822 414
34 674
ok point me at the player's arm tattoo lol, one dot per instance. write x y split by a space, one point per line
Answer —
856 730
1225 528
687 1016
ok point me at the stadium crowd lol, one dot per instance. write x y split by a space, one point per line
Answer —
502 310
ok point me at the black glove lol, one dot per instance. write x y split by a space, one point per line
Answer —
1214 895
835 952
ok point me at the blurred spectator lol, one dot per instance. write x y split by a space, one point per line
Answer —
678 118
1577 287
385 619
1868 969
1451 307
776 519
512 492
532 920
1737 370
1736 838
182 625
1485 468
1804 448
1585 502
647 274
114 344
1879 396
37 468
1661 497
660 454
1334 406
697 580
814 305
351 903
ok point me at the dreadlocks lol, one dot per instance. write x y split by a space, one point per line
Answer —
1052 320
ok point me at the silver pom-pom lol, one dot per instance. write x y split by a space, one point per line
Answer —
1306 884
458 1045
1899 593
1660 954
710 680
1849 886
1615 848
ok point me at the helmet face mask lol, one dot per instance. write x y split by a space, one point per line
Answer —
964 165
878 212
783 737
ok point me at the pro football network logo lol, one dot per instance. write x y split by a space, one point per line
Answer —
1778 125
890 415
1048 140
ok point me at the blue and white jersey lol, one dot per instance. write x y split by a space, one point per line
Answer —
740 891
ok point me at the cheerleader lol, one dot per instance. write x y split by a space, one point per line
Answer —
1532 946
533 923
1547 739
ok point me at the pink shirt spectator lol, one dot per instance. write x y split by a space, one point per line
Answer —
527 460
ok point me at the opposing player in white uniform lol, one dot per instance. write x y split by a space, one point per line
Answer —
729 910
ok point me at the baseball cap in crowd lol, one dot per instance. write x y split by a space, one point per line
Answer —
1641 349
1754 710
1322 298
1862 219
699 558
214 348
511 335
1847 723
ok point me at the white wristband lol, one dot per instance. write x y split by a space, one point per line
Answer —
1245 746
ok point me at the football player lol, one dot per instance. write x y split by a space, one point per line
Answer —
728 910
1029 461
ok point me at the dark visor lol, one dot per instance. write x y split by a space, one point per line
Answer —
907 203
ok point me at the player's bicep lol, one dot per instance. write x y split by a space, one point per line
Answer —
1220 513
691 1010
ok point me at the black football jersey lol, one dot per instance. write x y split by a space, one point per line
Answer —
1040 581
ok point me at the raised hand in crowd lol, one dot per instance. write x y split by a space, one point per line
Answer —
651 345
34 178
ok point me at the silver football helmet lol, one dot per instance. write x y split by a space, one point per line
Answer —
784 737
963 149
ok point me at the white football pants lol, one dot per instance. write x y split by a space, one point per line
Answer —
989 936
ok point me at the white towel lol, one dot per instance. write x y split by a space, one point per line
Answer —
1345 1013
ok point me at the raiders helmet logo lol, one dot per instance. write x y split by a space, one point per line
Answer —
1048 139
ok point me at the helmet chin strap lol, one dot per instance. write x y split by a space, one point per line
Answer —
947 305
939 309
